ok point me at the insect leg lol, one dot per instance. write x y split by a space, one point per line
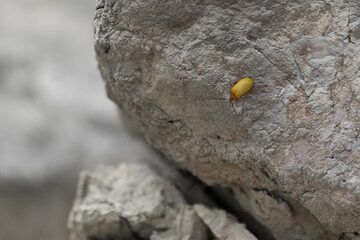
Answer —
232 105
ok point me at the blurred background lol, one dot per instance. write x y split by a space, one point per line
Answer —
55 118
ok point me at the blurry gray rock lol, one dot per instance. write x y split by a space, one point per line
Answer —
293 141
55 118
48 127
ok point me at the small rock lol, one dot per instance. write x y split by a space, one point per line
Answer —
132 201
223 225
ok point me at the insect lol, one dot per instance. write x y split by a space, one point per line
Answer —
240 88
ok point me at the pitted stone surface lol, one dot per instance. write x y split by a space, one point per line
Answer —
169 66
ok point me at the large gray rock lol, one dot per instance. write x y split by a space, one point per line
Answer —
292 143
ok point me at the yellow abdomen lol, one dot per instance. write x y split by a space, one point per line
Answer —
243 86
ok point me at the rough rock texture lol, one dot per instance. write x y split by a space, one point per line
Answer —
290 149
135 201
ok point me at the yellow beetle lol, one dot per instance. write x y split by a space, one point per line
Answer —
240 88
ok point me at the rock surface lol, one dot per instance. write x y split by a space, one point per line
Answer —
294 139
135 201
223 225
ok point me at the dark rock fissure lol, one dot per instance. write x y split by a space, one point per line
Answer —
219 197
226 201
